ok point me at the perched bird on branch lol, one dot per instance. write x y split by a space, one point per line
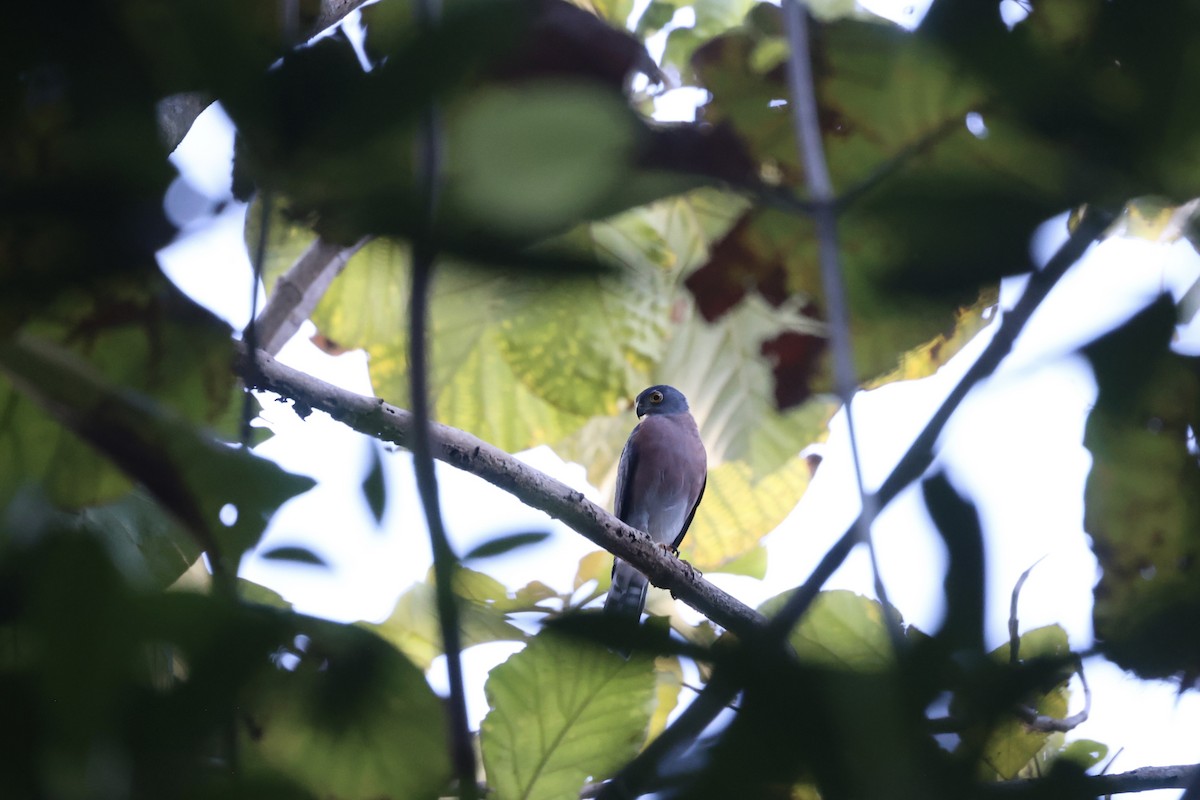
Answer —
660 480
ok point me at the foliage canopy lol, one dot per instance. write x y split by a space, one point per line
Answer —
585 251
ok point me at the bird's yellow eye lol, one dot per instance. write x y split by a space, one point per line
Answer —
656 397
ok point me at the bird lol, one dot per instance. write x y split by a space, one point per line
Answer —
660 480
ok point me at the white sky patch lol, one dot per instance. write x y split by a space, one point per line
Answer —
205 156
976 126
905 14
1013 12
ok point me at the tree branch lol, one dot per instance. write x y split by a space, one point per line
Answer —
374 417
1142 779
297 293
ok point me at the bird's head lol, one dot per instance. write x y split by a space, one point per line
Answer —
661 399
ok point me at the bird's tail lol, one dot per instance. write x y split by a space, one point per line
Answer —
627 595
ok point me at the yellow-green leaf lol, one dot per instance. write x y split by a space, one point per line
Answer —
562 711
413 624
1012 744
353 719
668 683
841 629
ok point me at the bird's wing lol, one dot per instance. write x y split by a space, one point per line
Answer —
691 515
625 470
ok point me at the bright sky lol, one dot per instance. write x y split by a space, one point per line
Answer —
1015 447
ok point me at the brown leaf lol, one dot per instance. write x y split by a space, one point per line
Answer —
741 261
795 360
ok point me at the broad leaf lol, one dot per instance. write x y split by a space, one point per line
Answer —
192 475
841 629
147 544
562 711
1142 498
668 684
144 336
1012 744
348 716
737 511
502 545
413 624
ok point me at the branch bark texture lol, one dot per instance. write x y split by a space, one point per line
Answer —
299 290
1142 779
374 417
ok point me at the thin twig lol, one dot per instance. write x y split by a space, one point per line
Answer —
1034 720
1041 722
298 291
1014 625
807 126
1143 779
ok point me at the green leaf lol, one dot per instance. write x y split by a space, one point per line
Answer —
668 684
413 624
142 336
63 147
251 592
931 211
595 566
374 488
1011 744
738 510
148 545
366 307
297 555
928 358
562 711
1055 76
656 16
615 11
1087 753
841 629
533 160
352 718
486 590
1142 496
505 544
191 474
752 563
